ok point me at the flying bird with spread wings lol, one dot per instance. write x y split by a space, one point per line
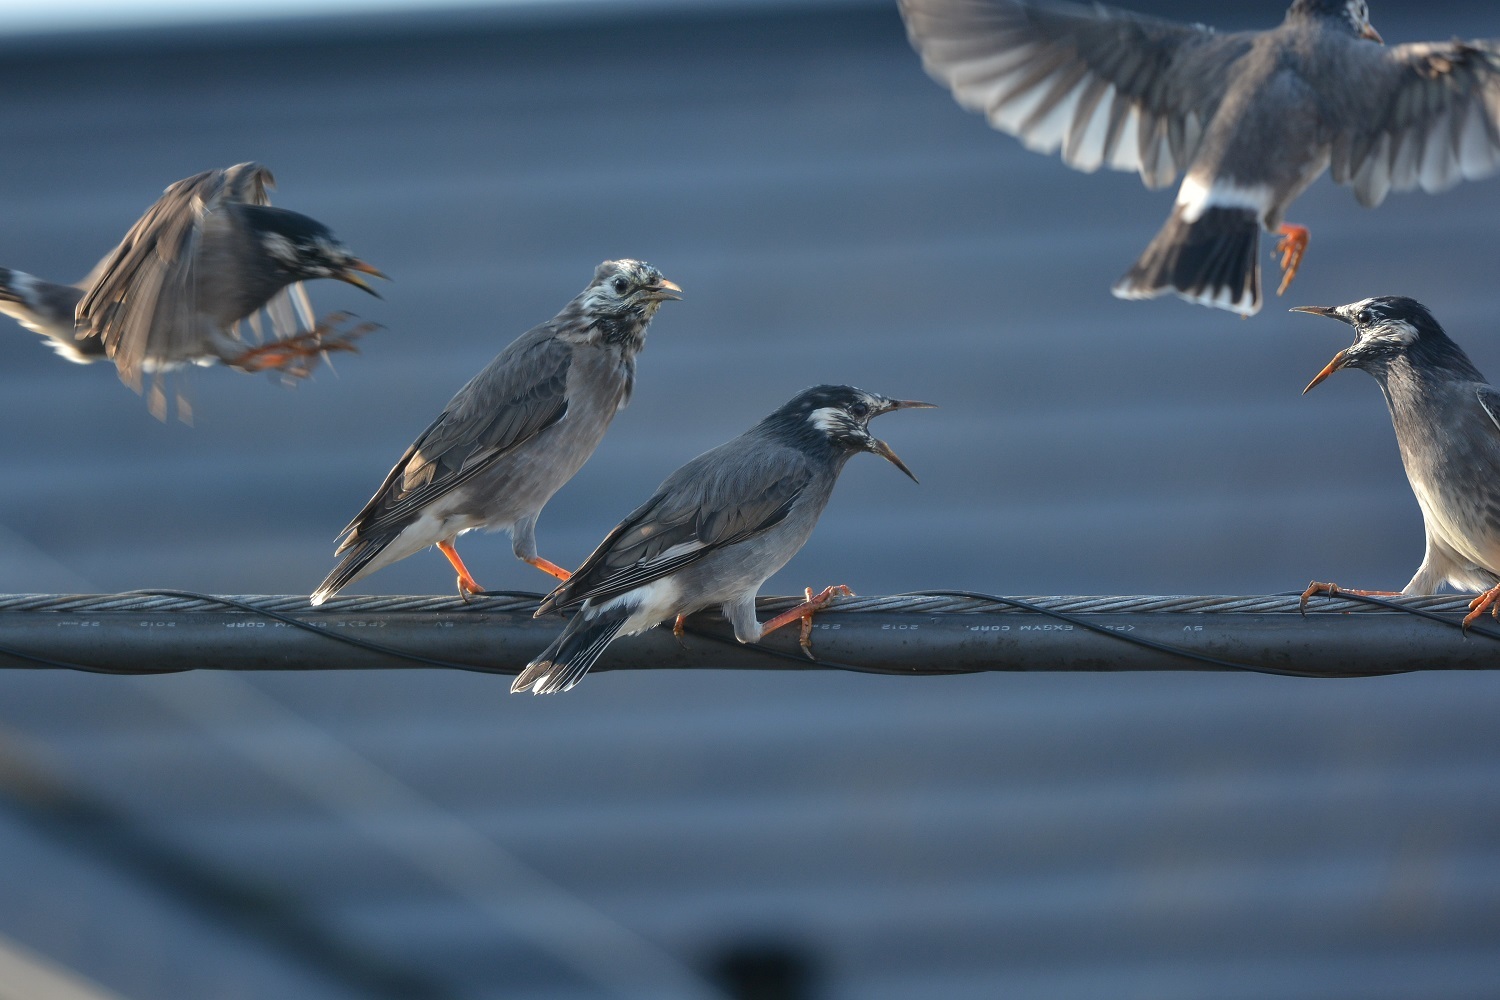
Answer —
1247 119
210 253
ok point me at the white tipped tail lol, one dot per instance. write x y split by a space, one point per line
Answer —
1213 260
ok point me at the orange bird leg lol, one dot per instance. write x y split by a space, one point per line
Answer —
804 613
1333 590
467 586
296 355
677 630
1291 246
1487 601
550 568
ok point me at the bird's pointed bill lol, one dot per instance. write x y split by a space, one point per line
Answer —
352 271
1368 31
1331 312
907 404
882 449
666 290
1328 369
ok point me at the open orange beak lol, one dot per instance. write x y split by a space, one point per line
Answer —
1338 359
348 275
1328 369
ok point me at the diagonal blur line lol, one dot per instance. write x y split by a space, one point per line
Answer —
452 852
25 975
387 811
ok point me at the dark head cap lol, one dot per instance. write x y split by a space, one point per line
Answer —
840 415
1388 327
304 249
1351 14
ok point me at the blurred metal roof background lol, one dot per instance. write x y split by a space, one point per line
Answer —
832 216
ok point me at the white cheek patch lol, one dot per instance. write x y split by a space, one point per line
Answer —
1194 199
1395 331
828 419
280 247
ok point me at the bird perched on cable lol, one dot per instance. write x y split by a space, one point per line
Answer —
1447 421
513 435
714 531
210 253
1250 118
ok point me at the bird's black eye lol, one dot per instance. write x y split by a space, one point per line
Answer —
859 411
621 285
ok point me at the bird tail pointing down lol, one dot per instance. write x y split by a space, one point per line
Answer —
571 654
1214 261
353 566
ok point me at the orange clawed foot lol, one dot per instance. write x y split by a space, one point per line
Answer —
1333 590
297 355
804 612
1291 246
1487 601
467 586
550 568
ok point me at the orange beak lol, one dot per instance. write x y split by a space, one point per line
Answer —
1328 369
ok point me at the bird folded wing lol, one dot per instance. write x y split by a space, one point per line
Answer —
1109 87
693 513
1424 115
1490 400
517 396
151 271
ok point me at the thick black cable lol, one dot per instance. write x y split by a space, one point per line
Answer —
365 644
1160 647
802 660
1380 602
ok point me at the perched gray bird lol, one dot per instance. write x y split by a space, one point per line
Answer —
45 308
1251 118
513 435
210 253
713 532
1447 420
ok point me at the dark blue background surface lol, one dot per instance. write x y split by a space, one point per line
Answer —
831 216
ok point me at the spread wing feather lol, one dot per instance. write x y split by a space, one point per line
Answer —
1107 87
1424 115
139 300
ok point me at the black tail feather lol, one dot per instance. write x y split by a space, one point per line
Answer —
571 654
348 568
1214 261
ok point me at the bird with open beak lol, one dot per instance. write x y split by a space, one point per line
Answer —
210 253
1447 423
714 531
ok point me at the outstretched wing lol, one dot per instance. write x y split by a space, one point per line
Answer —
1421 115
139 300
517 396
723 496
1109 87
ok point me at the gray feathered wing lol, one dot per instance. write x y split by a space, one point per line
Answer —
1108 87
517 396
722 497
139 300
1422 115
